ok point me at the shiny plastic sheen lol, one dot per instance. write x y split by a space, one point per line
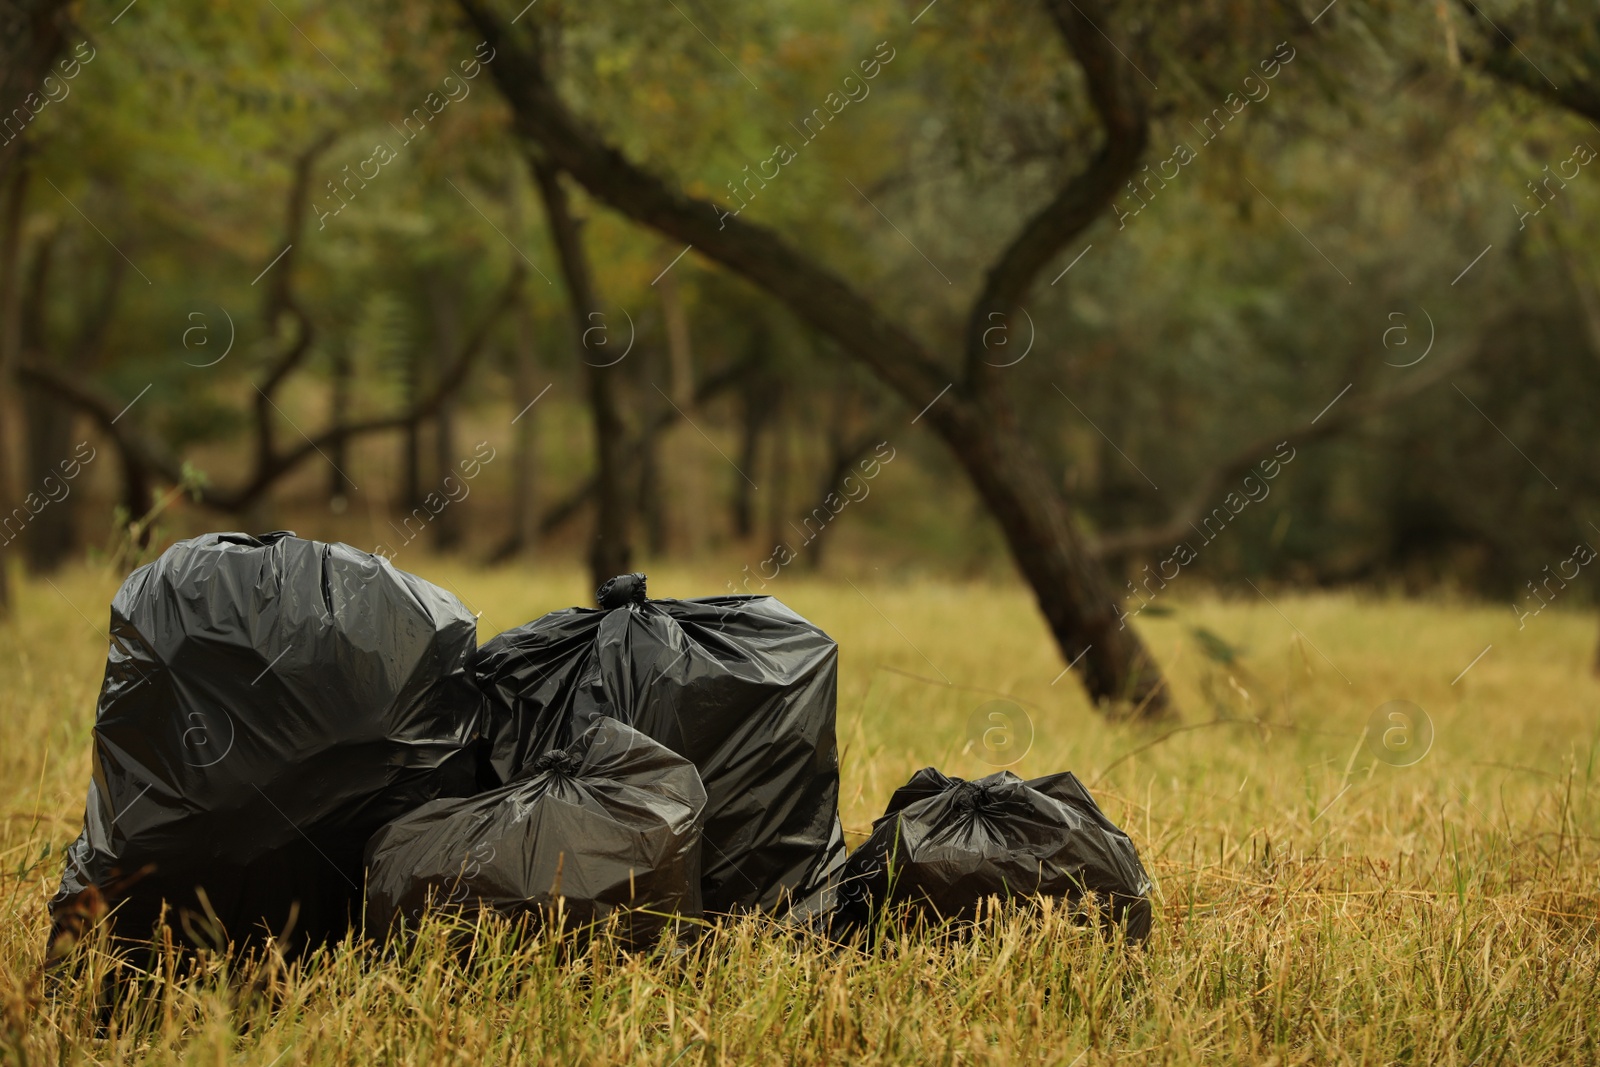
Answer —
269 702
739 685
946 845
610 824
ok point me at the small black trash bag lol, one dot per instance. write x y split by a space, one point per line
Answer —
610 823
947 845
739 685
269 702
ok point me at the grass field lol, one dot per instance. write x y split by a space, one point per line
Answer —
1314 904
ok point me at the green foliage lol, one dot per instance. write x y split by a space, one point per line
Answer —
1239 299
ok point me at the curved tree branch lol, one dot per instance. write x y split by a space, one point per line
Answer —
137 449
1208 488
448 384
139 452
1123 114
810 290
563 510
279 300
1072 588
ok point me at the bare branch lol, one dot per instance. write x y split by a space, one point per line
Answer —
279 300
137 449
140 453
448 384
1208 488
565 509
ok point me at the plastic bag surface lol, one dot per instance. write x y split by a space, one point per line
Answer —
946 845
610 823
269 702
741 686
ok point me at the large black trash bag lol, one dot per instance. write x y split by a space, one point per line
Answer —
946 845
739 685
269 702
611 823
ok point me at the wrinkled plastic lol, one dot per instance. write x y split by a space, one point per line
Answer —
269 702
611 823
739 685
945 846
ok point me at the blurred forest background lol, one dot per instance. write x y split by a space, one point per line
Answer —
321 267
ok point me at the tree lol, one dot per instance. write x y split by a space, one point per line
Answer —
32 34
292 329
966 405
611 550
1496 52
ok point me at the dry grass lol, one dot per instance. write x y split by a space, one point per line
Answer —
1315 905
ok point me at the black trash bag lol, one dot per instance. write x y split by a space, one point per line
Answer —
611 823
269 702
739 685
945 846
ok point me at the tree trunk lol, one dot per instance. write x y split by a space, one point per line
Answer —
680 353
50 539
339 452
447 524
523 525
743 502
47 420
610 552
138 497
16 191
411 438
759 397
33 35
778 464
652 495
1073 590
842 455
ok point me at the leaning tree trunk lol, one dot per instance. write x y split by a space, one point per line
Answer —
1073 590
611 552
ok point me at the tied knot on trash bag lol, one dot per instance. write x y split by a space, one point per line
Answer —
622 590
740 686
563 761
631 848
946 846
976 798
